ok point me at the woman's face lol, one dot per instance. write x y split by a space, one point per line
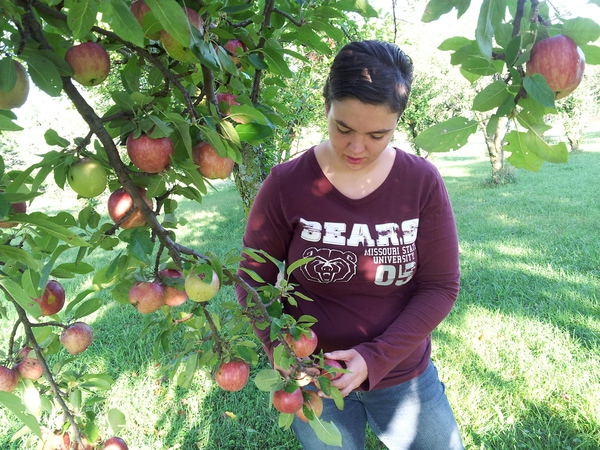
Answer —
359 132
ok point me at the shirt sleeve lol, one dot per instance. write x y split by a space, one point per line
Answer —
436 286
266 230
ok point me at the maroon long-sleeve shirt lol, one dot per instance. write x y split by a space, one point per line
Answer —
385 269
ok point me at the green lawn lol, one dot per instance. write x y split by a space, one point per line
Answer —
520 353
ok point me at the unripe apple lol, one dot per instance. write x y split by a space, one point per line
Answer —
115 443
148 154
211 165
313 403
8 379
89 62
286 402
146 296
120 202
232 376
87 177
305 346
174 48
173 296
53 298
560 61
29 368
198 289
77 338
17 95
19 207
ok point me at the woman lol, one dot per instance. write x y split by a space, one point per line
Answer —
379 227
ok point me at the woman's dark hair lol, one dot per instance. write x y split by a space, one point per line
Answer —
372 72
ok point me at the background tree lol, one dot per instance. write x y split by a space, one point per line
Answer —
505 34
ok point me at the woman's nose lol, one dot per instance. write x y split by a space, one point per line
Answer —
357 144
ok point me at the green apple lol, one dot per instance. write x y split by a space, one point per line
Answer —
87 177
198 289
17 95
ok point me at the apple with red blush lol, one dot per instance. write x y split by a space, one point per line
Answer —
146 296
303 346
89 62
77 338
150 155
173 296
210 164
119 204
233 375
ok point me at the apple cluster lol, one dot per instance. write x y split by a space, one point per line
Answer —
76 338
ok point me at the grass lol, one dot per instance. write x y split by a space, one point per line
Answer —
519 354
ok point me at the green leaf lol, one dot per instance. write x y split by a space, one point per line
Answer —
253 133
186 377
326 432
21 297
267 378
276 62
123 22
582 30
45 75
437 8
285 420
491 97
9 252
485 30
445 136
97 380
87 307
7 124
14 404
538 88
81 17
173 19
296 264
529 150
52 138
41 222
116 420
592 54
8 74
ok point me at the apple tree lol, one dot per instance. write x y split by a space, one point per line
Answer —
193 91
525 65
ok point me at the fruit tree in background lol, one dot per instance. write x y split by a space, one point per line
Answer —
525 64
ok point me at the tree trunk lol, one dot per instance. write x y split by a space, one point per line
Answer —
495 147
250 174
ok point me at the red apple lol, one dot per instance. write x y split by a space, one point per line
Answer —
227 98
232 376
560 61
173 296
305 346
146 296
313 403
90 63
27 367
19 207
16 96
139 8
211 165
231 46
53 298
77 338
8 379
287 402
115 443
335 364
56 441
148 154
119 204
174 48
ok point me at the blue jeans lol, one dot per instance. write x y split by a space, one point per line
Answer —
413 415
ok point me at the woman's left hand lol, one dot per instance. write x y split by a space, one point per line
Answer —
356 366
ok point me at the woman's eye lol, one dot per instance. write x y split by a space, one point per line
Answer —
343 131
378 137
